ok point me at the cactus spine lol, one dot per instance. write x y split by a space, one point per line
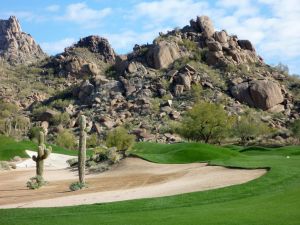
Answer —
43 154
82 150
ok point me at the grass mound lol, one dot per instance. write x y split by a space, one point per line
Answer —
181 152
10 148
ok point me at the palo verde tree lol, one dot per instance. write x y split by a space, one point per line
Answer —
248 127
205 122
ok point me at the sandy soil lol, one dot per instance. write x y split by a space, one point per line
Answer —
131 179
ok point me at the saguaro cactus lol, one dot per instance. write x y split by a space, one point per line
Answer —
8 127
82 150
43 154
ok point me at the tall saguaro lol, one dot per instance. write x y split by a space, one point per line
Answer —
43 154
82 150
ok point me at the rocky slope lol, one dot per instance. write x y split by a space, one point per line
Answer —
157 83
16 46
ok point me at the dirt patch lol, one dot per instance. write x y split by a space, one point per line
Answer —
131 179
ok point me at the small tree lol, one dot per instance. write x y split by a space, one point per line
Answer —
66 139
206 122
295 128
247 128
120 139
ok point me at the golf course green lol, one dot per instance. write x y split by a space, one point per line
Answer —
273 199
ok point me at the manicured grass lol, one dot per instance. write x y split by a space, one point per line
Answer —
10 148
181 153
273 199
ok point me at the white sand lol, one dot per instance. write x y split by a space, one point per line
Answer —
132 179
58 161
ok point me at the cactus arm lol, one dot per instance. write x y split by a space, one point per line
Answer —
47 152
34 158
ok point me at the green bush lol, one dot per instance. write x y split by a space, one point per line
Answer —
34 133
247 128
206 122
92 141
295 128
36 182
60 104
61 118
66 139
4 165
72 162
120 139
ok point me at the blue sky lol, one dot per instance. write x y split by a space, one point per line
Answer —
272 25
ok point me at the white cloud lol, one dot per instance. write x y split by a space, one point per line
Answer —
80 13
57 46
53 8
177 11
122 41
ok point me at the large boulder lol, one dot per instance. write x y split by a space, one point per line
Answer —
221 36
246 44
163 54
205 25
241 93
263 94
79 67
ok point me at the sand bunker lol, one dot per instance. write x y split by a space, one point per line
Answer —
133 178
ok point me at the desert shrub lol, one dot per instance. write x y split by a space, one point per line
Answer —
36 182
92 141
196 92
295 128
77 186
6 109
60 104
120 139
61 118
66 139
113 156
37 111
34 133
155 105
4 165
99 168
189 45
247 128
72 162
206 122
111 72
180 63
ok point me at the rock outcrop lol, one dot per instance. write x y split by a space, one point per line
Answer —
16 46
161 55
262 94
98 45
86 58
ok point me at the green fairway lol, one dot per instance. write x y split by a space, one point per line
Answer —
273 199
10 148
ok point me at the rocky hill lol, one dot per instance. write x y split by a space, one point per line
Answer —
17 47
154 85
